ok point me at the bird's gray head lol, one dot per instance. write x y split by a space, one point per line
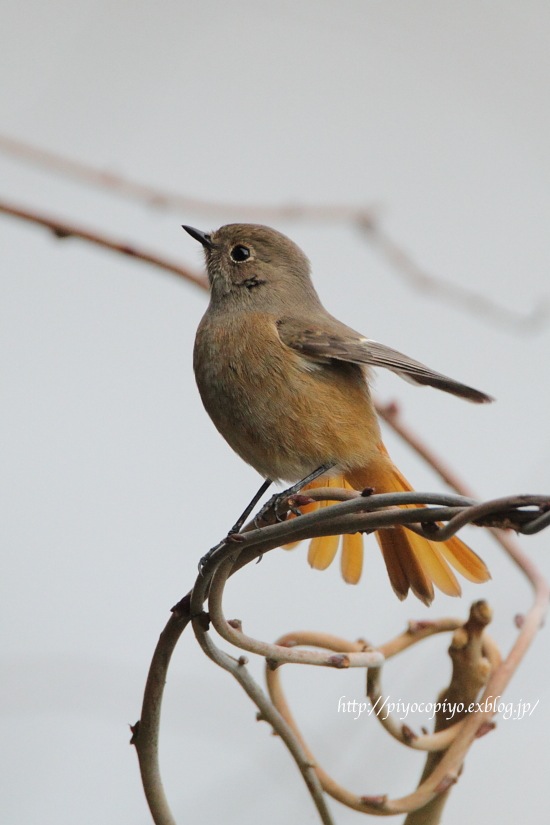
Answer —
255 267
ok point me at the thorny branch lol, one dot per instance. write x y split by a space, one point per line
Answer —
364 219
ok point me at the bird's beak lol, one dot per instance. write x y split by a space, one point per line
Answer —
201 237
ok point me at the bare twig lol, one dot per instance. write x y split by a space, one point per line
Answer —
363 218
454 294
391 414
164 199
63 229
201 589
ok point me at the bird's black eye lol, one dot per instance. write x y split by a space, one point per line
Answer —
240 253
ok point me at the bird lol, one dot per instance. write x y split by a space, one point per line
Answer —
287 386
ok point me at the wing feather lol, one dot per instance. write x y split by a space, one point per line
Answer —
337 342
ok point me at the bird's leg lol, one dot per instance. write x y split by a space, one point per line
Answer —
232 535
277 500
271 507
248 509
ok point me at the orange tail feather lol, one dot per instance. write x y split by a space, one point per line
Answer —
323 549
351 561
413 562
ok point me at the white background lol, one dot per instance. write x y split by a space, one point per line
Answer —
113 480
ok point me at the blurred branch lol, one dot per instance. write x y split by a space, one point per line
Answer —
391 414
473 303
364 219
173 201
63 229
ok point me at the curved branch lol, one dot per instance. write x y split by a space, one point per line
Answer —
277 654
442 738
268 712
378 805
529 624
377 512
370 513
145 733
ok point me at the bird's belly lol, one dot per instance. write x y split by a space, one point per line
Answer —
279 414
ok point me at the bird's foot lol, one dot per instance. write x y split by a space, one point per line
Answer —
279 506
232 536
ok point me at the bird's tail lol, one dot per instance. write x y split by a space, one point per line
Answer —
323 549
412 561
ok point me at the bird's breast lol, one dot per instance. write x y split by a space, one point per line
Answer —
282 413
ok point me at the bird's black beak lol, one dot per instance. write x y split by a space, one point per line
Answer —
199 236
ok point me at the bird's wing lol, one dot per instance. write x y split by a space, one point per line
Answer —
339 343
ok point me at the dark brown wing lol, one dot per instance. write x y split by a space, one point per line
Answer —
342 344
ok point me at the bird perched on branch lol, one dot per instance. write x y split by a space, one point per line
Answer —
286 384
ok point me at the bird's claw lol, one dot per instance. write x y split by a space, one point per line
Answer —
269 514
278 507
232 536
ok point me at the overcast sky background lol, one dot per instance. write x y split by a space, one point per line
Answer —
113 480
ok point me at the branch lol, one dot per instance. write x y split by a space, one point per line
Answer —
471 669
365 219
376 512
357 512
145 733
454 294
381 805
164 199
529 624
277 654
349 516
445 733
267 713
63 229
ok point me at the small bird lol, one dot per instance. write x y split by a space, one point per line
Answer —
286 385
